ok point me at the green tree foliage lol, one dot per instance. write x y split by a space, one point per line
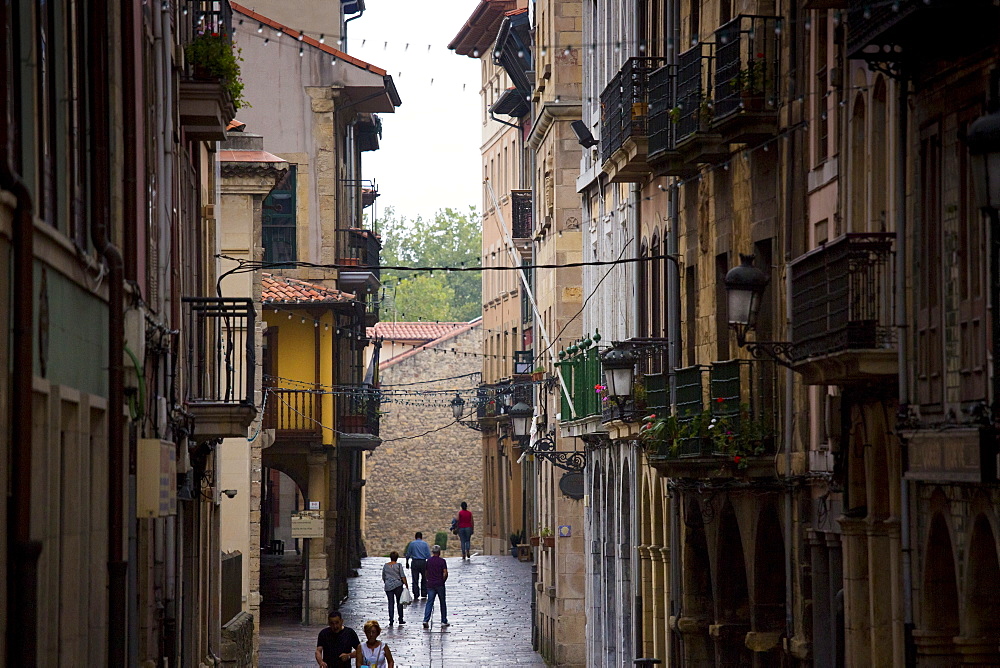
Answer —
452 238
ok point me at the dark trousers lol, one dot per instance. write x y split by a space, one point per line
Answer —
394 602
418 569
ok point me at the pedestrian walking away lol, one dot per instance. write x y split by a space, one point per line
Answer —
337 643
465 527
394 578
417 553
373 653
437 575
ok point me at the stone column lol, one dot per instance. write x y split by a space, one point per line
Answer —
881 593
661 560
857 622
316 597
646 589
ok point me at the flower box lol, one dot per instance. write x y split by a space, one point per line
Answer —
536 540
548 541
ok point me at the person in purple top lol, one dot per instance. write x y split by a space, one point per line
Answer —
436 576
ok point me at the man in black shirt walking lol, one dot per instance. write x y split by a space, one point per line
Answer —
336 644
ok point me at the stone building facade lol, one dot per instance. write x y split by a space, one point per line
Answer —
417 484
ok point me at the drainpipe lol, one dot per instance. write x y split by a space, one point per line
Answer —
904 381
343 36
788 422
22 552
99 69
673 283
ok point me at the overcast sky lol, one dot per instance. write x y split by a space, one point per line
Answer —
429 156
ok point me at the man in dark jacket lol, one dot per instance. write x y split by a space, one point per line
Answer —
437 575
336 643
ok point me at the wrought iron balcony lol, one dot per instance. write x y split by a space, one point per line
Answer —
204 105
294 414
900 29
358 249
220 364
624 116
695 109
358 412
520 214
730 429
747 61
843 296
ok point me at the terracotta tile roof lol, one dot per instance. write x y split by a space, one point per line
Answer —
452 333
413 331
228 155
480 30
306 39
281 290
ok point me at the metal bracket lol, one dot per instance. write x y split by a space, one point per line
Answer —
471 424
545 448
778 351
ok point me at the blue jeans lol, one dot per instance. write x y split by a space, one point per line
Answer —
432 593
393 596
465 535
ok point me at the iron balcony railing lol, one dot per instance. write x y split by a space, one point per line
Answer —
746 65
625 104
358 412
583 375
694 90
221 362
867 20
520 214
294 413
843 296
200 18
662 110
358 248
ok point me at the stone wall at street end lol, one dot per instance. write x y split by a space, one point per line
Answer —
417 484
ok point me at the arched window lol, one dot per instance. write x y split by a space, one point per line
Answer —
879 153
642 285
858 192
656 288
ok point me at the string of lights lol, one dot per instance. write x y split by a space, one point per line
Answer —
567 48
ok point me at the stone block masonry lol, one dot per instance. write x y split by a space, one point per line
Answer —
417 484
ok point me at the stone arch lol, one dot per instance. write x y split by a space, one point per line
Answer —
879 156
940 582
732 601
858 190
982 583
768 613
696 571
656 286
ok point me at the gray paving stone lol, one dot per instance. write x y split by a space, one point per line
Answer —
489 607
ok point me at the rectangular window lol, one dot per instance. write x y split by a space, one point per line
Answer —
929 263
691 314
721 307
279 221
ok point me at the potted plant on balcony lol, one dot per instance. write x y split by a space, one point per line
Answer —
548 540
705 112
751 82
536 541
212 56
538 373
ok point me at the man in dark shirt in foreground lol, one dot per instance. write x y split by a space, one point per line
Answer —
437 575
336 644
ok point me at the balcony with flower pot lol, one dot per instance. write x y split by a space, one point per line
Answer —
211 89
725 436
624 121
746 79
695 138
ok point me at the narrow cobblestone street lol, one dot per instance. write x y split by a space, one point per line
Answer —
489 608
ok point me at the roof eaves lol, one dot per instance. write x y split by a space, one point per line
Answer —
311 41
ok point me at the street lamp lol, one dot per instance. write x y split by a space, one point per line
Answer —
619 372
520 417
745 287
457 406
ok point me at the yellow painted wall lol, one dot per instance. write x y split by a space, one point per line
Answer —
297 350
